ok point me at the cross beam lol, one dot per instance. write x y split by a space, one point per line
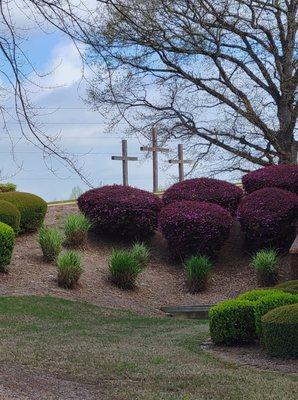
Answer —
124 158
180 161
154 149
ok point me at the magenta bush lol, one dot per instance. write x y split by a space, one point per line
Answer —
266 217
121 212
193 227
208 190
283 176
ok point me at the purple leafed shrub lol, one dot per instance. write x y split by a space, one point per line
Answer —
121 212
283 176
266 217
208 190
193 227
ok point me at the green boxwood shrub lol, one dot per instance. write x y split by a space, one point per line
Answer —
232 322
31 207
269 302
7 239
288 286
256 294
280 331
10 215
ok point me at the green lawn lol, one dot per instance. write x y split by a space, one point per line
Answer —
137 357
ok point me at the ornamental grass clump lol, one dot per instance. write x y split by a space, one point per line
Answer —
267 218
50 241
69 269
124 269
76 230
265 263
140 253
197 270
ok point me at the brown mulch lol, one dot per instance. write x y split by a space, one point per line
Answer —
253 356
161 283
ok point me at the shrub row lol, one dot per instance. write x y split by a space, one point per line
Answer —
280 327
239 321
10 215
32 209
7 239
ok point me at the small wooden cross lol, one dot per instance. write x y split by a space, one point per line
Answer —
124 158
154 149
180 161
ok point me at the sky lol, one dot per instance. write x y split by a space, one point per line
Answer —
82 131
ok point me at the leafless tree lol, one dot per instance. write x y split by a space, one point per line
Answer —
18 74
220 75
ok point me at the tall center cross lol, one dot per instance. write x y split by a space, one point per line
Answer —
180 161
124 158
154 149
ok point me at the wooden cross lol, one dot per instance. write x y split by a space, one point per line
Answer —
124 158
295 151
154 149
180 161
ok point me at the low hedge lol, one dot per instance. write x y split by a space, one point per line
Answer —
280 331
193 227
232 322
257 294
266 217
121 212
269 302
31 207
208 190
282 176
288 286
10 215
7 239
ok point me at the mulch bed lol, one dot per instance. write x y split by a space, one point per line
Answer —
253 356
162 282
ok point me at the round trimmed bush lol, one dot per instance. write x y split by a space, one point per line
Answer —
208 190
280 327
121 212
283 176
256 294
288 286
7 239
232 322
10 215
193 227
31 207
267 303
266 217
